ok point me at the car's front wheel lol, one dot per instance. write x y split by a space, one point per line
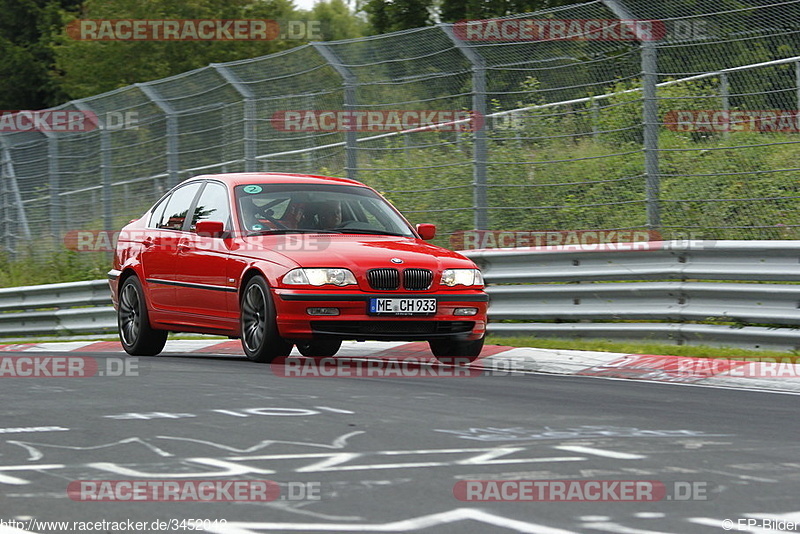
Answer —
456 351
137 336
319 348
260 338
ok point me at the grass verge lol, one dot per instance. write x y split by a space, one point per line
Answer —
602 345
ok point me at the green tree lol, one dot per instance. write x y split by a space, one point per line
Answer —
392 15
338 21
456 10
26 54
89 67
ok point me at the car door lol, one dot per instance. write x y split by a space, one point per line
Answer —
201 279
160 245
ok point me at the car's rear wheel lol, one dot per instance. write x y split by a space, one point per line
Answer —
260 338
138 338
319 348
456 351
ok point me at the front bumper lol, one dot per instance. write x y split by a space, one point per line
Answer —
354 321
113 286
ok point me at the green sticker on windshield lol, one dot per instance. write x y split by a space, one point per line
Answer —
252 189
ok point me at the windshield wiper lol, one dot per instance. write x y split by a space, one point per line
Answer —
371 232
290 231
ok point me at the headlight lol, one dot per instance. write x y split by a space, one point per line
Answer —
319 277
462 277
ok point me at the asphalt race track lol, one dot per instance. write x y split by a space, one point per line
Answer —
384 454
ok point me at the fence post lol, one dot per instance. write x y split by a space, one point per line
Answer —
249 114
725 93
105 165
350 84
8 175
649 114
8 234
480 156
54 185
172 131
797 81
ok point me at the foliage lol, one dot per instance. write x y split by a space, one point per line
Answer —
456 10
579 168
338 22
29 268
392 15
27 80
42 66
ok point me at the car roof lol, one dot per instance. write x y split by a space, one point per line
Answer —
240 178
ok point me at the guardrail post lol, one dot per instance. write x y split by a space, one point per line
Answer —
172 131
350 84
480 156
248 97
650 122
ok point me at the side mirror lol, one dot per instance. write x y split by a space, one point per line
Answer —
426 231
210 228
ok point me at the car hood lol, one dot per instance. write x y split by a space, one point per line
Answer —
357 252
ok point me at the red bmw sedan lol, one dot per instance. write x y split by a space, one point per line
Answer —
280 260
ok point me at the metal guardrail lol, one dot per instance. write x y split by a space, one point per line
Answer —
586 292
684 292
57 309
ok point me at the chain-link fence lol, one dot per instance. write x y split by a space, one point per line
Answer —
610 115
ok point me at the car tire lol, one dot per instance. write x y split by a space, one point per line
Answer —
138 338
260 339
319 348
456 351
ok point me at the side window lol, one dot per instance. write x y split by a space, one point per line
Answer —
212 206
178 206
158 213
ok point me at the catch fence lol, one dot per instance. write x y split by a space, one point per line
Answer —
682 120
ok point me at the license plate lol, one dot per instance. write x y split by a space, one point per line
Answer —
402 306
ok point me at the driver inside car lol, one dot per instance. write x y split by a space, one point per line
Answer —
262 218
329 215
295 215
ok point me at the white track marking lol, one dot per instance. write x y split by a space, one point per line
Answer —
338 443
600 452
8 479
621 529
334 410
405 525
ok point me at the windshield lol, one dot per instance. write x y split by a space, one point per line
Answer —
301 208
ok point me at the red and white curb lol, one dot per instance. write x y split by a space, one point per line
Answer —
763 374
